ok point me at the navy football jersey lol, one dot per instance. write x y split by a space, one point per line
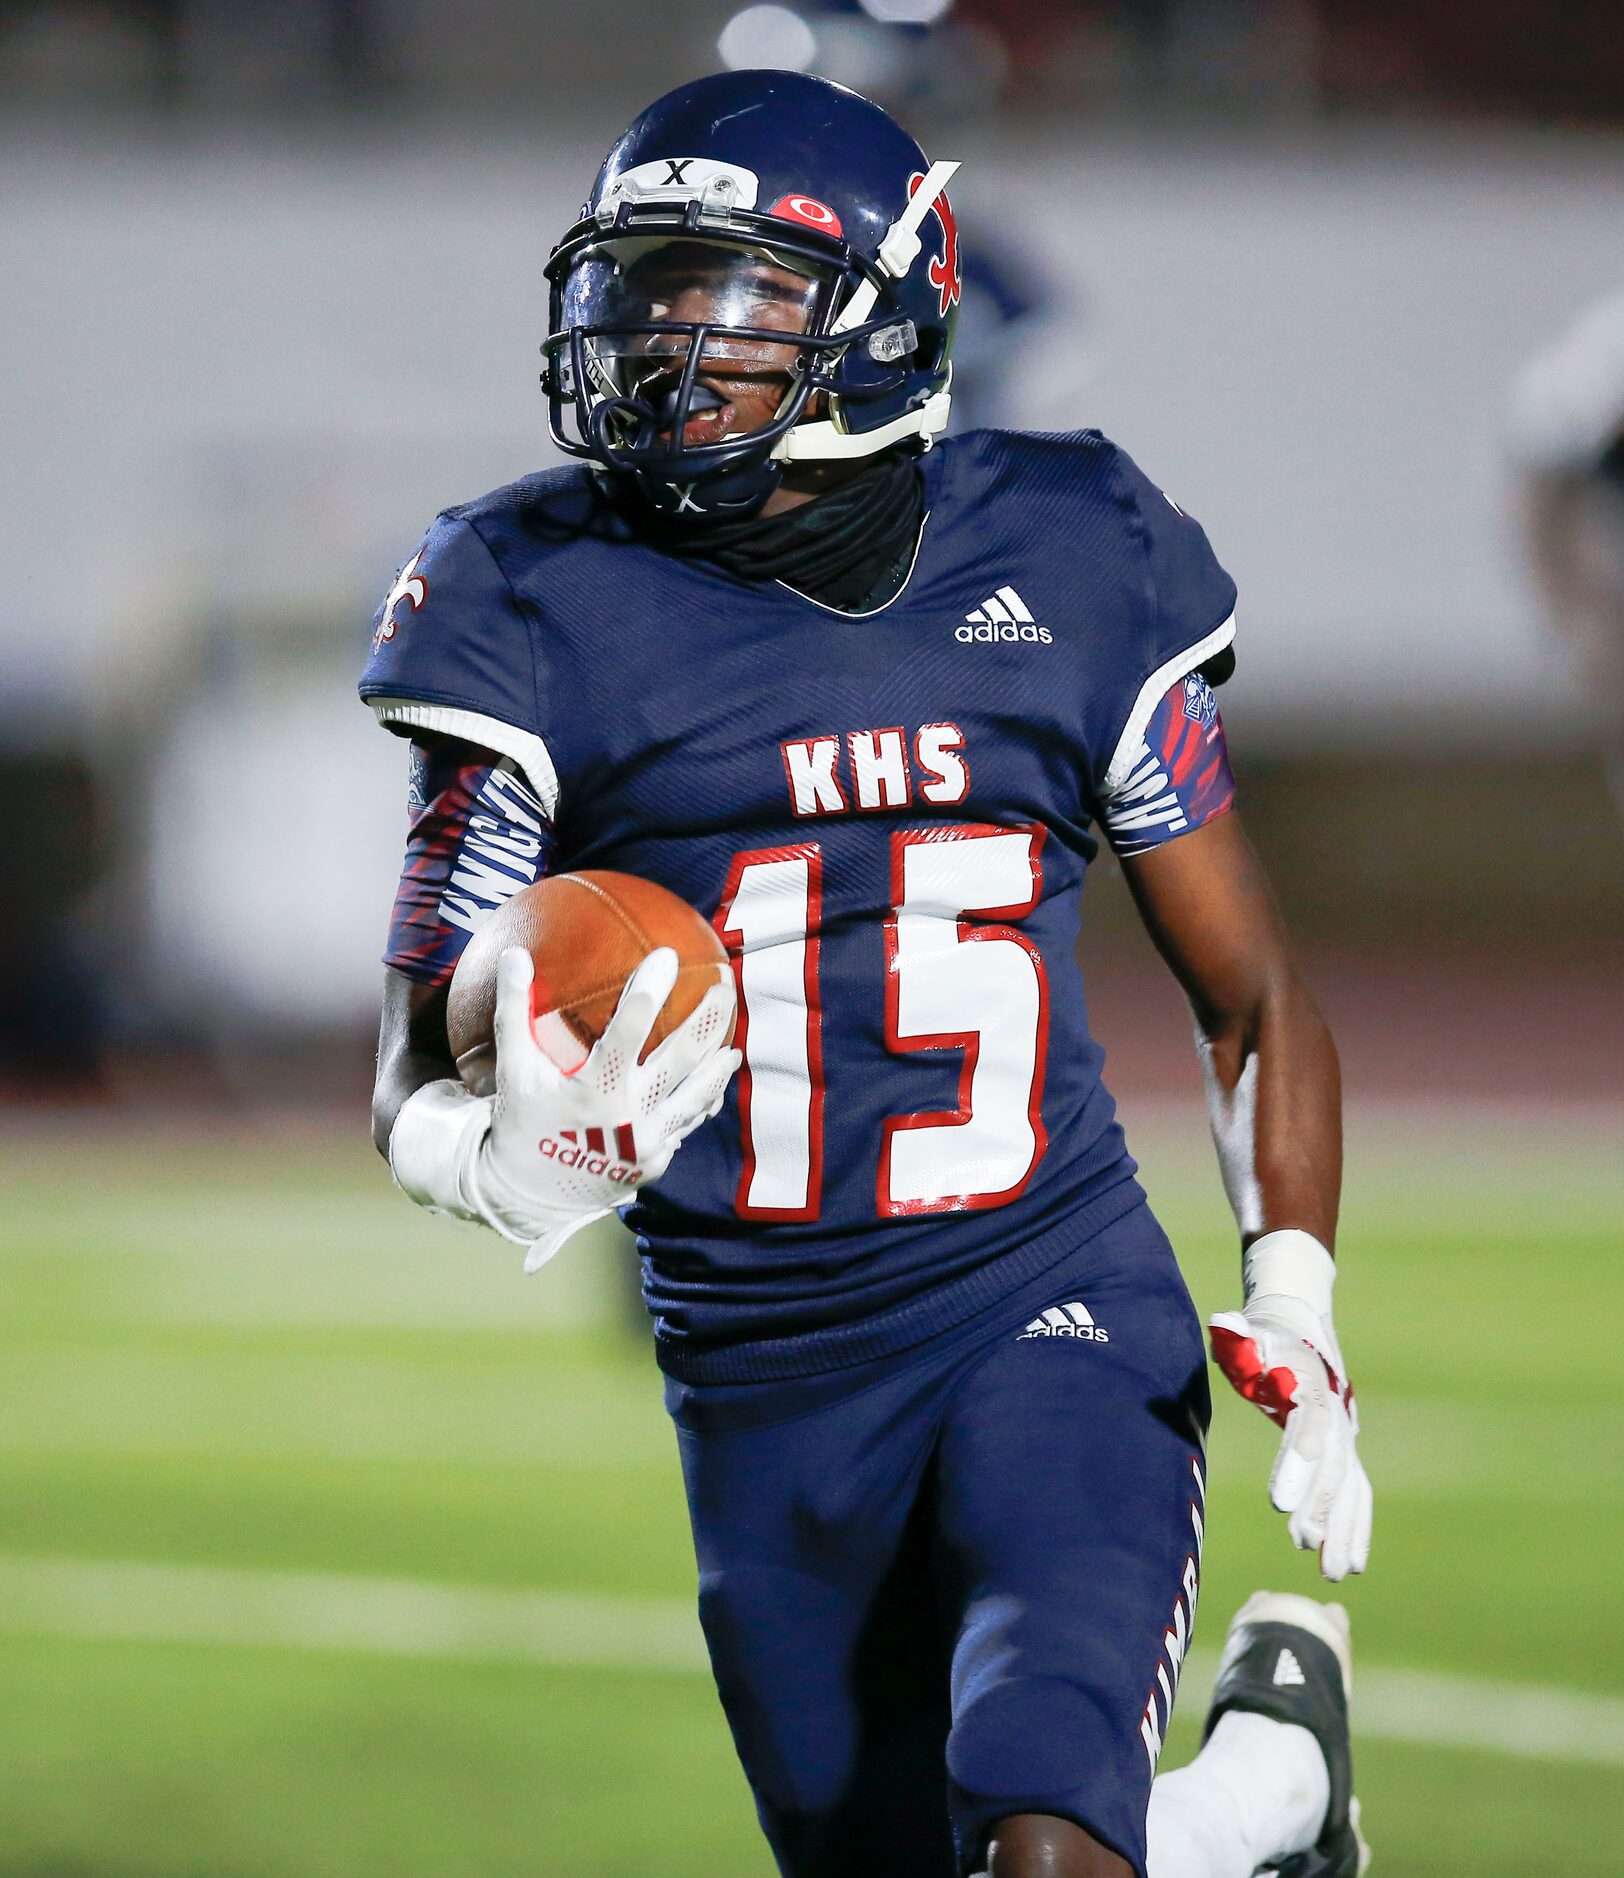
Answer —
888 817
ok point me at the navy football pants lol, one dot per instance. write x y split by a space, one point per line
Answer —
936 1590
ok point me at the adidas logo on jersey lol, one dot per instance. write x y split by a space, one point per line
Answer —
1002 617
1288 1672
1066 1320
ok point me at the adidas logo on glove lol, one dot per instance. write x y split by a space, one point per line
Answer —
592 1155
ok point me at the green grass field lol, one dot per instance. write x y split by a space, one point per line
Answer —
238 1377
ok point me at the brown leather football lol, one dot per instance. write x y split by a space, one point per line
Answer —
587 933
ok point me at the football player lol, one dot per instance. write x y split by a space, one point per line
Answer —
1567 437
869 699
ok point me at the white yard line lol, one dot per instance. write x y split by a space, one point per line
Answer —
126 1601
133 1602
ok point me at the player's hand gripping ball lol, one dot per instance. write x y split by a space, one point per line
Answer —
597 1011
1281 1354
585 935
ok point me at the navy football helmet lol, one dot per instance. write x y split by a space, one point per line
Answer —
756 238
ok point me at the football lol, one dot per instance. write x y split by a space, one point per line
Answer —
587 933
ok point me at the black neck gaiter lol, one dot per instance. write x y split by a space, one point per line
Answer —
850 548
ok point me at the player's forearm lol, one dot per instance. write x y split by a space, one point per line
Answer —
1274 1087
1272 1081
1274 1094
412 1051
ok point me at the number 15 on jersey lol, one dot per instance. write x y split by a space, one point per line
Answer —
957 977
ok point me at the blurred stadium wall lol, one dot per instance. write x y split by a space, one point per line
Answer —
270 295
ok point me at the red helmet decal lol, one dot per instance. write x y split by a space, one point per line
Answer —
945 274
809 210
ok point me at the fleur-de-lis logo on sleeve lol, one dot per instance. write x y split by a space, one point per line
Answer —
409 585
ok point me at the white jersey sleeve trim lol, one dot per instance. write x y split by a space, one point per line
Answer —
523 746
1151 693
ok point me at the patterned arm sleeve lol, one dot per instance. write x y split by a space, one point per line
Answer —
478 836
1179 776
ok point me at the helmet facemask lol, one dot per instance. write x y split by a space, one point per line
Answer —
685 355
682 348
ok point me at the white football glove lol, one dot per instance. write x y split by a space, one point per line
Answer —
1280 1352
550 1151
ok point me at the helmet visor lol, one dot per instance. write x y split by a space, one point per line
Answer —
649 307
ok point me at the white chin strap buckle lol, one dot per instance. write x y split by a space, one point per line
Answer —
824 442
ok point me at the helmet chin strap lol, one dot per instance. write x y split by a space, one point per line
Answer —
900 248
825 441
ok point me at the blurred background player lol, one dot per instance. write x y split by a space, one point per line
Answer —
1567 434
